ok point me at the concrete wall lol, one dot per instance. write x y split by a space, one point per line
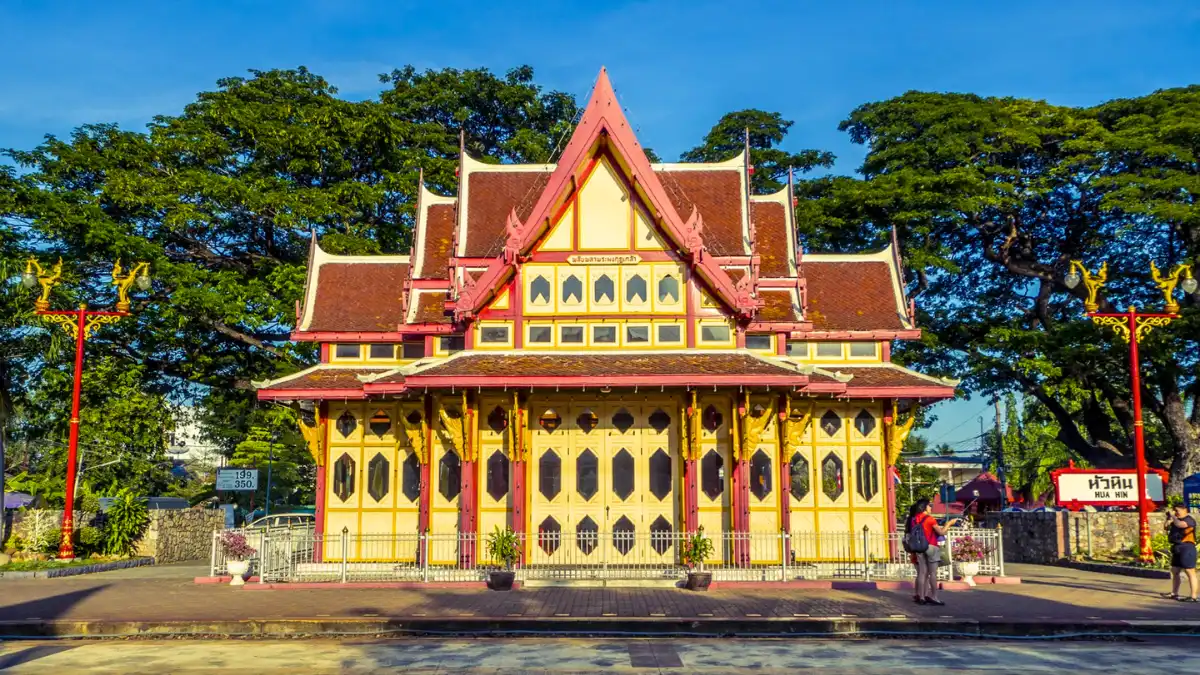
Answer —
1053 536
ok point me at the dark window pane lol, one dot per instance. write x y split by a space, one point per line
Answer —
550 420
587 421
798 468
413 350
760 475
450 476
539 290
380 423
864 422
623 535
549 535
453 343
587 535
712 474
637 334
410 476
605 290
762 342
587 474
347 423
497 419
831 422
714 333
668 289
571 335
635 289
572 290
413 417
832 483
493 334
605 335
713 419
343 477
378 471
497 475
550 474
660 535
622 474
344 351
541 335
659 420
660 474
622 420
670 333
383 351
867 476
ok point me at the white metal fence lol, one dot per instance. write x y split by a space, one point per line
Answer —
299 554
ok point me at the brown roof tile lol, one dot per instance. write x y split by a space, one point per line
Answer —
491 196
770 228
846 296
884 377
327 378
431 308
777 306
718 197
358 297
600 365
438 235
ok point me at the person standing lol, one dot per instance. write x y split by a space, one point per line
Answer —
1181 533
925 555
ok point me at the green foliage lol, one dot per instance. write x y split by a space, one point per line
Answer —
292 469
49 541
767 131
922 480
91 540
504 546
15 543
696 549
88 502
127 518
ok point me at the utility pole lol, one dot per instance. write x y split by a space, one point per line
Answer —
1000 460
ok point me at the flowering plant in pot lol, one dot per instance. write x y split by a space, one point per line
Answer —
968 552
695 550
504 547
237 555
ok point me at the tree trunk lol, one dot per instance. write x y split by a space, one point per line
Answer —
1186 439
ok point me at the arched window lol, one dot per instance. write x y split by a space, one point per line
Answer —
635 289
604 290
539 290
572 290
668 289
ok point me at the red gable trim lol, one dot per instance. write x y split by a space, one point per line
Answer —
306 394
801 334
932 391
603 119
415 381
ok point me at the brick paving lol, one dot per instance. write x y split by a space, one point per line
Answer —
1047 593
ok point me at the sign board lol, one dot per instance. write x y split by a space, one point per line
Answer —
605 259
1076 488
233 479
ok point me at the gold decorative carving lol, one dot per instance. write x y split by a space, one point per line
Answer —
794 420
454 430
689 413
124 282
46 280
894 435
1167 284
1145 324
1092 282
1119 324
314 435
751 426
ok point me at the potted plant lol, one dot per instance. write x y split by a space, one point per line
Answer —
237 556
968 552
504 547
695 550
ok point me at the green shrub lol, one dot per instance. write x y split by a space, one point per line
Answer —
127 520
91 540
89 503
49 541
15 543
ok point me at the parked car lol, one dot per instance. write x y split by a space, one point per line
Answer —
284 520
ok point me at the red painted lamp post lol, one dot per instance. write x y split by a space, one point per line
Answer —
79 324
1131 326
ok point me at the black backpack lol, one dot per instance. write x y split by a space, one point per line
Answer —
915 540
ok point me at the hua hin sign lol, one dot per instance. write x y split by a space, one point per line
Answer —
1076 488
602 259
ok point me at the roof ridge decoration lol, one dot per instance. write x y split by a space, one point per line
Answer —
946 381
603 119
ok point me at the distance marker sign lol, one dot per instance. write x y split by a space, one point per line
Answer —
232 480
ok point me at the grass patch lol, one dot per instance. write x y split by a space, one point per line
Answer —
35 565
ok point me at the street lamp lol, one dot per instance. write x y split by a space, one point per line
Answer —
1131 326
79 324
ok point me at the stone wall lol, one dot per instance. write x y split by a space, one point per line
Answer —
29 524
174 536
1048 537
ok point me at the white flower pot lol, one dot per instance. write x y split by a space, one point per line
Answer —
968 571
238 570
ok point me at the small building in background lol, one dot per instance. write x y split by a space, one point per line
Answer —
187 445
953 469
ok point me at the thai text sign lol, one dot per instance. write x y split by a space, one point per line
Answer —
609 259
1104 487
232 479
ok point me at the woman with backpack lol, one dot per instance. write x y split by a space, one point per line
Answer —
921 533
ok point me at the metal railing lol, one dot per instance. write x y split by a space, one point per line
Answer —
299 554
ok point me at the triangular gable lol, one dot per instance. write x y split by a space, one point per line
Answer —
603 118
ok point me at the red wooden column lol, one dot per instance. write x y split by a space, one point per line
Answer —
785 469
468 504
741 490
889 432
691 467
323 460
517 471
426 475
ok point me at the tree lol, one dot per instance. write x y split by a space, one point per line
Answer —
221 200
992 197
766 132
916 482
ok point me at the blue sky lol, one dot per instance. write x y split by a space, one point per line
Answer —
677 66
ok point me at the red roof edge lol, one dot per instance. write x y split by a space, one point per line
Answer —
932 391
306 394
414 381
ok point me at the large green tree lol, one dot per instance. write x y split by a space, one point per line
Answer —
993 197
764 132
